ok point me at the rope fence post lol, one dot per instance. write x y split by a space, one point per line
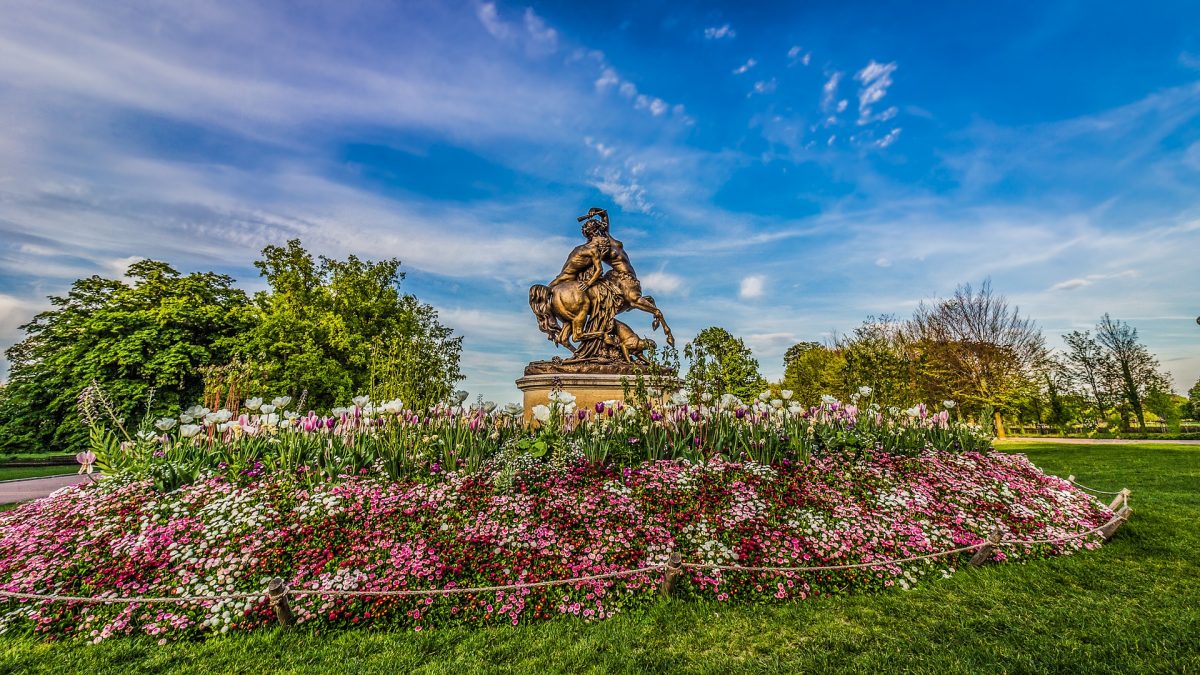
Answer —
985 552
671 574
1110 529
1122 498
277 593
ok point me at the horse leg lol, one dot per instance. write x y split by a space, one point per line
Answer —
646 304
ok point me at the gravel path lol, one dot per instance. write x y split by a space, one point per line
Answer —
23 489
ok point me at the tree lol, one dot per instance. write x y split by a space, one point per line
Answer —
877 355
979 348
155 330
340 328
722 364
811 370
1194 401
1130 363
1090 369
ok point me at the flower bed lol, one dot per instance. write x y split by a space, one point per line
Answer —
516 519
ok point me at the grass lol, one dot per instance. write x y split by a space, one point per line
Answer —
12 472
1129 607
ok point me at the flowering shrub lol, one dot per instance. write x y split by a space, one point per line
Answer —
515 519
261 437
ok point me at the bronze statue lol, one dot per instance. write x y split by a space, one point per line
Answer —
578 309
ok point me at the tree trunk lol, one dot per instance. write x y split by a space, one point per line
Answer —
1134 400
999 424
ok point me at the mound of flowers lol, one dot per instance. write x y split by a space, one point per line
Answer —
518 518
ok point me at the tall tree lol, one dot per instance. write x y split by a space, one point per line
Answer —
1090 367
155 329
722 364
811 370
338 328
1133 364
877 354
980 347
1194 401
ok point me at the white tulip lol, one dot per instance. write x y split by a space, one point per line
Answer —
865 391
949 404
189 430
281 401
541 413
828 400
267 409
786 394
165 424
254 403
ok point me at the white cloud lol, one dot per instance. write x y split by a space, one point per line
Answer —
889 138
608 78
661 282
625 190
763 87
752 286
829 92
543 38
605 151
491 20
719 32
875 79
750 63
794 54
1082 282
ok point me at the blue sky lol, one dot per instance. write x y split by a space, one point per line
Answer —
781 171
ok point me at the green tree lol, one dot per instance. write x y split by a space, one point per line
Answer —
877 354
1130 363
1090 368
979 348
810 370
1194 401
155 330
722 364
340 328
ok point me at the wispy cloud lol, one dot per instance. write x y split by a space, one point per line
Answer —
722 32
875 79
750 63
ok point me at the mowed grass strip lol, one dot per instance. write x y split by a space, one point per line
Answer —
1129 607
15 472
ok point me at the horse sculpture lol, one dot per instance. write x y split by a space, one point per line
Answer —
581 304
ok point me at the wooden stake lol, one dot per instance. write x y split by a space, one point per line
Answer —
1110 529
1071 478
277 593
985 553
674 569
1122 498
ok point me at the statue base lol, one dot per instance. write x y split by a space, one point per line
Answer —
589 382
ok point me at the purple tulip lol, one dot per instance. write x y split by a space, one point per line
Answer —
599 406
695 415
739 413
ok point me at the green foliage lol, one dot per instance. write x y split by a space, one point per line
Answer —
722 364
339 328
1194 401
1131 365
811 370
154 330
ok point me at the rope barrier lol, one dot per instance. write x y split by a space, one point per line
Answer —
1120 516
1089 489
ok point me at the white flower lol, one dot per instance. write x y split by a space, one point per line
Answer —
949 404
564 397
459 396
514 409
189 430
392 406
828 400
165 424
776 403
196 411
254 403
267 409
914 411
541 413
489 406
185 418
765 396
291 415
361 401
786 394
729 401
795 408
706 397
338 412
680 397
281 401
865 391
223 415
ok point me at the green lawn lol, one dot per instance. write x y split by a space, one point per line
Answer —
11 472
1129 607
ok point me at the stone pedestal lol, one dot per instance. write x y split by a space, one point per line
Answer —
588 388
